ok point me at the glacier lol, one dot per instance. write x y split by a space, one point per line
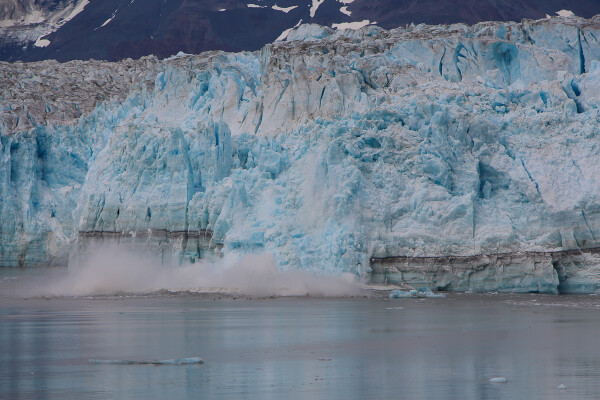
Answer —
440 157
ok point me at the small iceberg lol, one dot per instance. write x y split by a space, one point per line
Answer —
422 292
561 386
174 361
499 379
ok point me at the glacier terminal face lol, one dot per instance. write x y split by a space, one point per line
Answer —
443 157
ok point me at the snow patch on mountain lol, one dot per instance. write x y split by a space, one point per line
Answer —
284 9
565 13
315 6
108 20
285 33
79 6
351 25
37 21
41 42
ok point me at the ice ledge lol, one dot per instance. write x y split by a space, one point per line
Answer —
560 271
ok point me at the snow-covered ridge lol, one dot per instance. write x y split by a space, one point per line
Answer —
329 150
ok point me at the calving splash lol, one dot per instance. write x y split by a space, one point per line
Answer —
112 269
441 157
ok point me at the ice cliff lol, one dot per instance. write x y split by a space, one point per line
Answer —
450 157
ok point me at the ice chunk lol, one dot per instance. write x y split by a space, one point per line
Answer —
425 292
499 379
174 361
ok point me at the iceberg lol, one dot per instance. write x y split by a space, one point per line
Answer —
449 157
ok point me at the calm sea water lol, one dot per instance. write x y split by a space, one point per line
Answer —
287 348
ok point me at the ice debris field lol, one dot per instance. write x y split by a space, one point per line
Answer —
442 157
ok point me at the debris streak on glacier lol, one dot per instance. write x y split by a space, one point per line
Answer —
449 157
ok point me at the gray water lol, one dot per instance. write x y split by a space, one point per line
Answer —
287 348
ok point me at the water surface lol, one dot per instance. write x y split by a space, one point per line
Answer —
321 348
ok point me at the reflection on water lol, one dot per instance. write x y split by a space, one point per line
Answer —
314 348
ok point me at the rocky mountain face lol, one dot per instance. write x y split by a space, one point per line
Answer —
33 30
454 157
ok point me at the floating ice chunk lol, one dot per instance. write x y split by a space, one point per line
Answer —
174 361
561 386
499 379
426 292
398 294
120 362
